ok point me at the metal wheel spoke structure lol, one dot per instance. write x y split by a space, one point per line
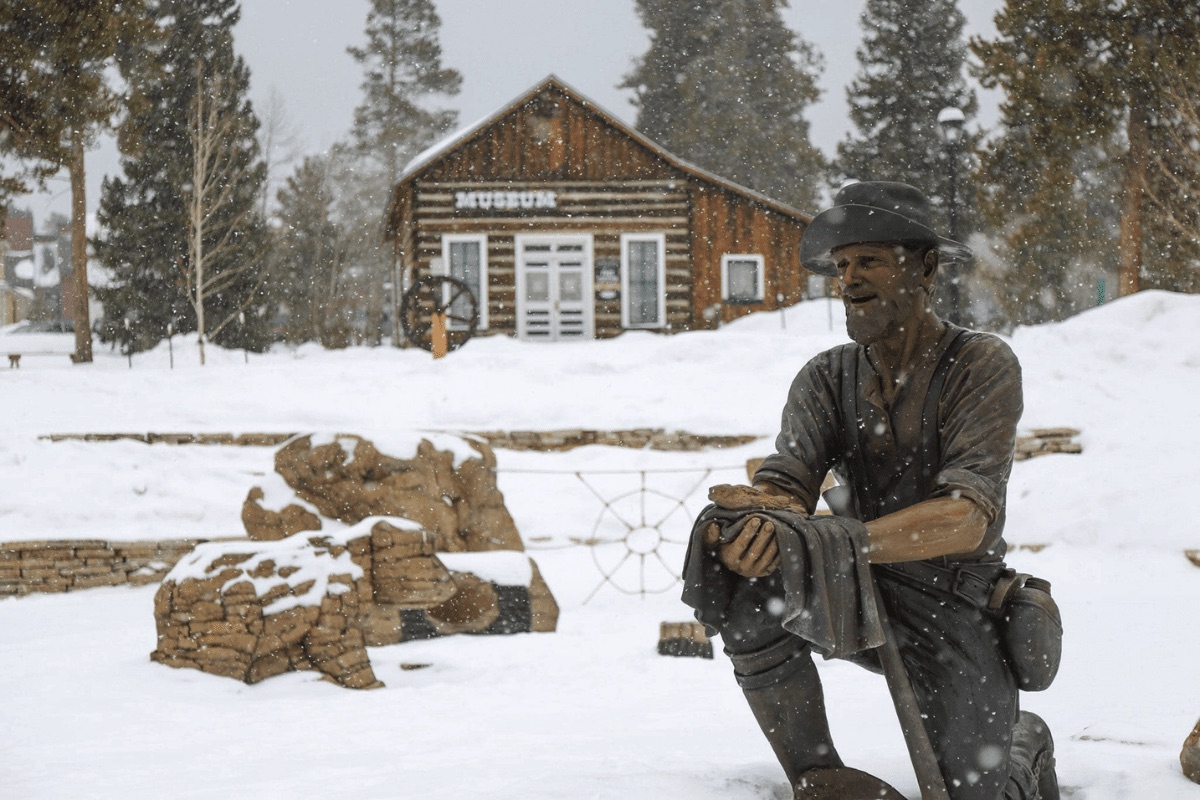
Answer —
640 534
434 295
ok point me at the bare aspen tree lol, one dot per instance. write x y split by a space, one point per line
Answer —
56 95
215 220
279 139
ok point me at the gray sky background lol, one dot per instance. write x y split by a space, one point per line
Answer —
296 49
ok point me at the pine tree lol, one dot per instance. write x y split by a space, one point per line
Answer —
1173 186
911 66
1032 193
308 257
402 71
725 84
402 66
1086 88
677 37
149 214
55 97
1154 61
25 105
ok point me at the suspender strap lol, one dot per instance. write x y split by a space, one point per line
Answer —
929 457
931 430
852 426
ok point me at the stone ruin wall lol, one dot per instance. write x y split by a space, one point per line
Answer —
65 565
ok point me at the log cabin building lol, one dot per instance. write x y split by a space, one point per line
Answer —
567 223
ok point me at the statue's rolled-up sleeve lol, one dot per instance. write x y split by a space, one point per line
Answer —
979 411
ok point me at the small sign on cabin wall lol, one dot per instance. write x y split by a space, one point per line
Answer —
504 200
608 278
608 270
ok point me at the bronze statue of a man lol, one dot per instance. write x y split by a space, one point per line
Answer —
917 419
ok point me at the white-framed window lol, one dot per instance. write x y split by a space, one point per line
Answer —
742 278
643 280
464 256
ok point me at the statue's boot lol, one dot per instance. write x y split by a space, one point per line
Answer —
783 689
843 783
1031 763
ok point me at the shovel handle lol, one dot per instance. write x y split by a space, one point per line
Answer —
912 724
916 736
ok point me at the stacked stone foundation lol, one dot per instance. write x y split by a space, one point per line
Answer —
65 565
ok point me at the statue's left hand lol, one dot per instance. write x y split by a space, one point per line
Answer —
752 553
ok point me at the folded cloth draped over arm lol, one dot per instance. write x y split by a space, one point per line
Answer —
828 597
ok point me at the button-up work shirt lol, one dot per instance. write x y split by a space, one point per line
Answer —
970 449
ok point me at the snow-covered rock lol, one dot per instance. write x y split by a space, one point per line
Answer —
252 610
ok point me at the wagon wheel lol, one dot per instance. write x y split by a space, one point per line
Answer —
439 294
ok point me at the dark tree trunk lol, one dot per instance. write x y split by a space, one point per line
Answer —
83 325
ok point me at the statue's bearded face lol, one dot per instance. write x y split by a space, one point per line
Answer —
884 287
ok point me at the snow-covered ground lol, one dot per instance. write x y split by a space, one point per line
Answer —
591 710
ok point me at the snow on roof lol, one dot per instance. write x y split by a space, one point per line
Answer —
34 269
447 142
434 151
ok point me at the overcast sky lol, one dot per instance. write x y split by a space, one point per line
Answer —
297 49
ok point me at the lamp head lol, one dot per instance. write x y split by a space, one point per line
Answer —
951 120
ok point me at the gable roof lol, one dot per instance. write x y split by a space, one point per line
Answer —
469 133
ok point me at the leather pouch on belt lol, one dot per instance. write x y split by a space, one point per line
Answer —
1032 627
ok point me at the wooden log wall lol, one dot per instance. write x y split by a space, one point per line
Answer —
726 224
604 209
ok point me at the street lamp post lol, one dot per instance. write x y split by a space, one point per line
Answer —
128 343
242 334
951 121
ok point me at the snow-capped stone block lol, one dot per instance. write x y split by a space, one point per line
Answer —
254 612
316 601
353 548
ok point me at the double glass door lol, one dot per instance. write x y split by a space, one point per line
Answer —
554 287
